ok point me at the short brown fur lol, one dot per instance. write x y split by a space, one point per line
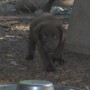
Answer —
49 35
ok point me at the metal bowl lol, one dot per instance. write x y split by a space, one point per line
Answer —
8 86
14 87
35 85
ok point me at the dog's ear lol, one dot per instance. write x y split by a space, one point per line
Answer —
36 30
63 32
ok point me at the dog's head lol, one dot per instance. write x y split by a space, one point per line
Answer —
50 34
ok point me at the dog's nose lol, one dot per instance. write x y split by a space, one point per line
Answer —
49 48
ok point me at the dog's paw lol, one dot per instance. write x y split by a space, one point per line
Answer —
61 61
50 69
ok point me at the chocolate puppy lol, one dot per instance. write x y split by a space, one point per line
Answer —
49 35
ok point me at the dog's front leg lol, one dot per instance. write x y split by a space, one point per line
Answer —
31 46
47 60
58 54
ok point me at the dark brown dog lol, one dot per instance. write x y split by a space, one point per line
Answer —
49 35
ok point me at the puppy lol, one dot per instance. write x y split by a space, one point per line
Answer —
49 35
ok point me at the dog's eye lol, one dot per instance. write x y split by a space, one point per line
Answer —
54 36
44 36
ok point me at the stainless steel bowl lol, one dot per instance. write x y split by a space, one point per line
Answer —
35 85
14 87
8 86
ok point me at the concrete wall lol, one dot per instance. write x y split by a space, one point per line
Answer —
78 36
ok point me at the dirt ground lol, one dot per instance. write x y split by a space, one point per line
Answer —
14 28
